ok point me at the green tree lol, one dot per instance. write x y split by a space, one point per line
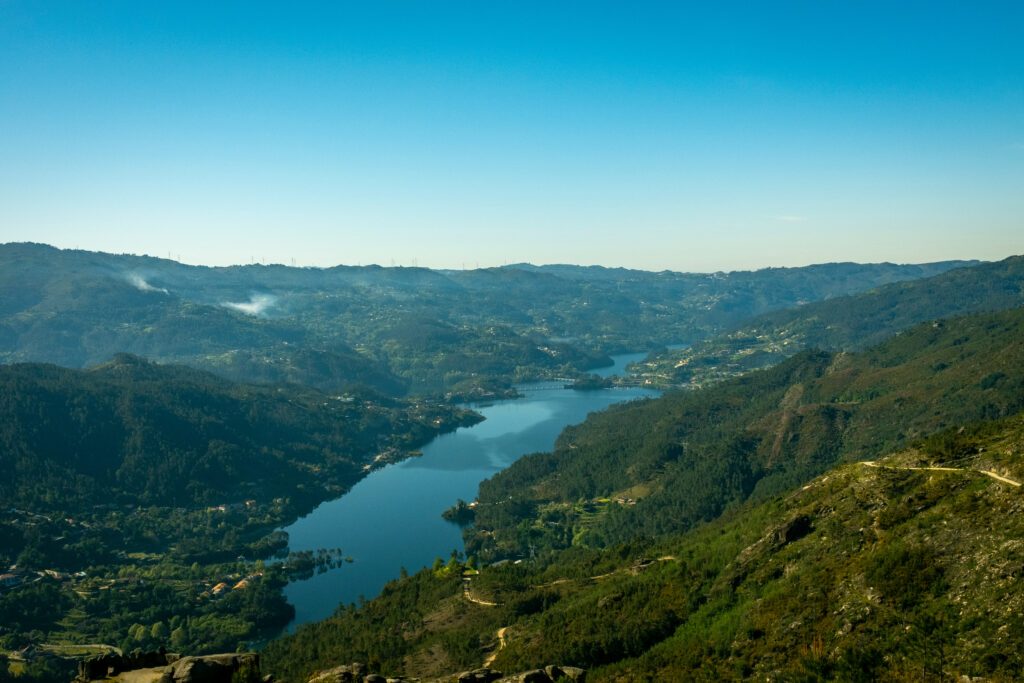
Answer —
179 638
159 631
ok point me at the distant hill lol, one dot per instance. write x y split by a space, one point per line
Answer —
843 323
131 431
391 329
78 309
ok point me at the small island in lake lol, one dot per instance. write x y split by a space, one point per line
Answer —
462 513
591 383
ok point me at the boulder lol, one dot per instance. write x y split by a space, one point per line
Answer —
484 675
95 668
346 673
792 531
548 674
99 667
210 668
568 673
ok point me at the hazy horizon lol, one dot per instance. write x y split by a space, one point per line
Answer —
477 266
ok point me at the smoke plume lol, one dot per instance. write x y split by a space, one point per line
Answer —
140 284
256 305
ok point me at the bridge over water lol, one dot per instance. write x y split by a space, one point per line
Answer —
560 383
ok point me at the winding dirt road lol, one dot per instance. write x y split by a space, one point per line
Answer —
501 646
987 473
468 594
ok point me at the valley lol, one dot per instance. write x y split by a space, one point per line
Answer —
491 342
170 504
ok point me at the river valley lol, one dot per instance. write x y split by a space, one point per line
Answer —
392 518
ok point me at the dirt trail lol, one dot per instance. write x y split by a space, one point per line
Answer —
468 594
640 566
501 631
999 477
987 473
501 646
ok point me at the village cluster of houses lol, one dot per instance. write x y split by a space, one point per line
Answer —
14 577
223 588
232 507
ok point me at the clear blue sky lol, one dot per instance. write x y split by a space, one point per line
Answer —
690 136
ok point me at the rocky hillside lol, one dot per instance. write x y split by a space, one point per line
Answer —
359 673
905 568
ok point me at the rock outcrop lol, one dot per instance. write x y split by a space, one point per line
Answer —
548 674
484 675
352 673
358 673
102 666
792 531
168 667
212 668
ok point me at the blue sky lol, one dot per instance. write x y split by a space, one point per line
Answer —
690 136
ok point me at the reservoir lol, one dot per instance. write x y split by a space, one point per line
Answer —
392 518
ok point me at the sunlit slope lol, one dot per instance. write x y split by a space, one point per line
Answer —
843 323
684 458
902 569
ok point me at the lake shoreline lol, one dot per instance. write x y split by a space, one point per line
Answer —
392 519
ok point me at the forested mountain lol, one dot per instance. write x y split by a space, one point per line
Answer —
684 458
392 329
131 431
844 323
136 495
726 534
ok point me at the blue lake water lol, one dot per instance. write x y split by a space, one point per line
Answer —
619 366
392 518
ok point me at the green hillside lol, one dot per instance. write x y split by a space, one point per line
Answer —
664 465
845 323
132 490
135 432
886 571
733 532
